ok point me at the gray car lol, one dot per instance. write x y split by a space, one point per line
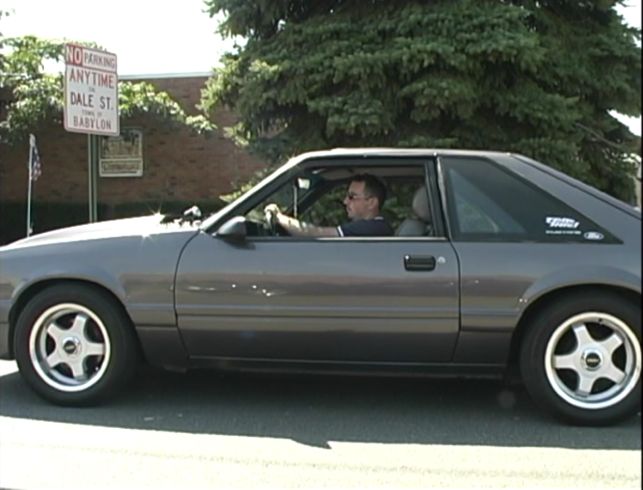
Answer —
499 266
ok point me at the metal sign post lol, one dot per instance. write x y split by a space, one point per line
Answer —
92 172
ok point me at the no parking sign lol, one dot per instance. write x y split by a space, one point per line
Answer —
91 91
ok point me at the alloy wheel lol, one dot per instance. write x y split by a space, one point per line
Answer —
593 360
69 347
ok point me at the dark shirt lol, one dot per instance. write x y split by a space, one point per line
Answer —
366 227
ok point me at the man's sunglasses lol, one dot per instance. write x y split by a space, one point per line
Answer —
351 196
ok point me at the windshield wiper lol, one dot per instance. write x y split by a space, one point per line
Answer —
190 215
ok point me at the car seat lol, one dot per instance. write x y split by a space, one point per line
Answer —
420 223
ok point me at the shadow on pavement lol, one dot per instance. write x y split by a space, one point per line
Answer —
314 410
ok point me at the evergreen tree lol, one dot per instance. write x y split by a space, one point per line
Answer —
535 77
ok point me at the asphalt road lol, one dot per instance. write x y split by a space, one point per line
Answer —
204 430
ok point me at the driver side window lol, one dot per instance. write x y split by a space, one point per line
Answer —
316 197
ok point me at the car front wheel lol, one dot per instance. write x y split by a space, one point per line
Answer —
581 359
74 345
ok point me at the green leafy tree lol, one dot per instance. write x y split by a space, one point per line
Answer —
538 77
31 97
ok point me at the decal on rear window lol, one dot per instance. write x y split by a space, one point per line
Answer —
557 222
557 225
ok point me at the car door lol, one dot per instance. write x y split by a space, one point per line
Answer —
384 299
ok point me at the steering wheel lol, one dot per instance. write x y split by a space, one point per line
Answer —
271 221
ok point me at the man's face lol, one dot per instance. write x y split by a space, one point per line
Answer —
359 204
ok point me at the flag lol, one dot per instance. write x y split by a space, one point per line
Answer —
35 164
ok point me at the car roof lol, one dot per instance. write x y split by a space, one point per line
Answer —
395 152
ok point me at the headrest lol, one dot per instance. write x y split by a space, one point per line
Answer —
421 205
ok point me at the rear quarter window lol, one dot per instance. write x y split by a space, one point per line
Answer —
486 202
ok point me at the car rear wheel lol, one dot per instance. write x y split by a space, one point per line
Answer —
74 345
581 359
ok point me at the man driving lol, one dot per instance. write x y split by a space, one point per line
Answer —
364 199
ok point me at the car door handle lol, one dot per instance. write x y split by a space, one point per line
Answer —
419 262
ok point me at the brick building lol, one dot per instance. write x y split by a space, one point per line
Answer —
170 167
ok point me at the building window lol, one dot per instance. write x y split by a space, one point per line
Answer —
122 156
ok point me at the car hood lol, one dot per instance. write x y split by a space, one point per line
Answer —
130 227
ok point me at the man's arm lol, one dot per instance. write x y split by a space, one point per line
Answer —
299 228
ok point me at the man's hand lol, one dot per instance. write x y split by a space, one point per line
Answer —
271 212
271 209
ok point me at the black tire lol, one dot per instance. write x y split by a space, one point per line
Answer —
573 352
75 345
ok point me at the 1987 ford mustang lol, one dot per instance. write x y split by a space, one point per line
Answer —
498 265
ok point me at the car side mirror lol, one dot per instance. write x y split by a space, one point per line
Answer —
234 229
